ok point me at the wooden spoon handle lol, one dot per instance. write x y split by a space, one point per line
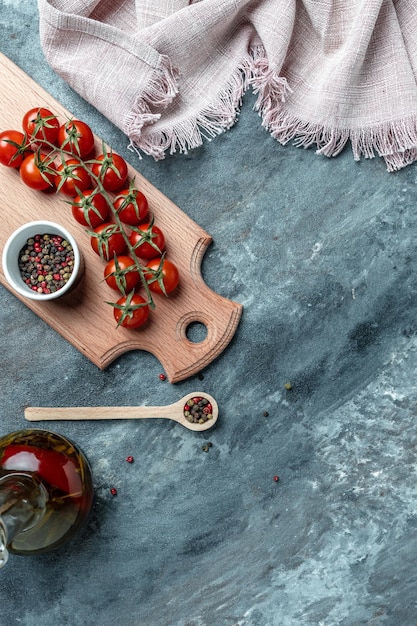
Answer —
34 413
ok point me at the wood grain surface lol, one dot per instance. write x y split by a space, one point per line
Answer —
83 317
173 411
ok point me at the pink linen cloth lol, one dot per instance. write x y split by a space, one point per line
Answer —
170 73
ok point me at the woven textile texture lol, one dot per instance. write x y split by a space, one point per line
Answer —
170 73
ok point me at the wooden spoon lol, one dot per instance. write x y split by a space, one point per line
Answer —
173 411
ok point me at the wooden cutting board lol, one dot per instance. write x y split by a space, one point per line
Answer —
83 317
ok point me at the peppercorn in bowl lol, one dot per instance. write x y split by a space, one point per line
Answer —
41 260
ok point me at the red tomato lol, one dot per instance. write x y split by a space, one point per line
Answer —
12 148
121 274
107 240
131 311
111 169
90 208
131 206
148 241
72 177
77 137
36 171
42 125
164 277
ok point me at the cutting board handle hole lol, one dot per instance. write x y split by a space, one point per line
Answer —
196 332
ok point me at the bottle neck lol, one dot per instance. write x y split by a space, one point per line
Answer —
4 554
22 504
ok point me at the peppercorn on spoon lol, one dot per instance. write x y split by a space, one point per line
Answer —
180 411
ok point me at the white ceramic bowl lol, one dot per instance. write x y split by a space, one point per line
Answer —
15 243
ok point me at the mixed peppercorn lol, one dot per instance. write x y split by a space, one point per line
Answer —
46 263
198 410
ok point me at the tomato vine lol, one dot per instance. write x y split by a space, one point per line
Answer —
61 156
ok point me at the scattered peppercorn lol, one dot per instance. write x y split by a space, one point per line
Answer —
113 491
46 263
198 410
205 448
130 459
201 376
162 377
266 413
276 478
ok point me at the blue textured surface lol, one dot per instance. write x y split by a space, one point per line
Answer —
322 254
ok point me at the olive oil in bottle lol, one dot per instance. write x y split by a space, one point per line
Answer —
46 491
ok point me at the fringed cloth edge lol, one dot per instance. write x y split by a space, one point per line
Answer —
394 141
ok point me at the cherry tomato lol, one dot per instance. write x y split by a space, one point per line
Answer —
35 171
131 311
107 240
90 208
42 125
111 169
148 241
121 274
131 206
164 277
77 137
72 177
12 148
54 467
